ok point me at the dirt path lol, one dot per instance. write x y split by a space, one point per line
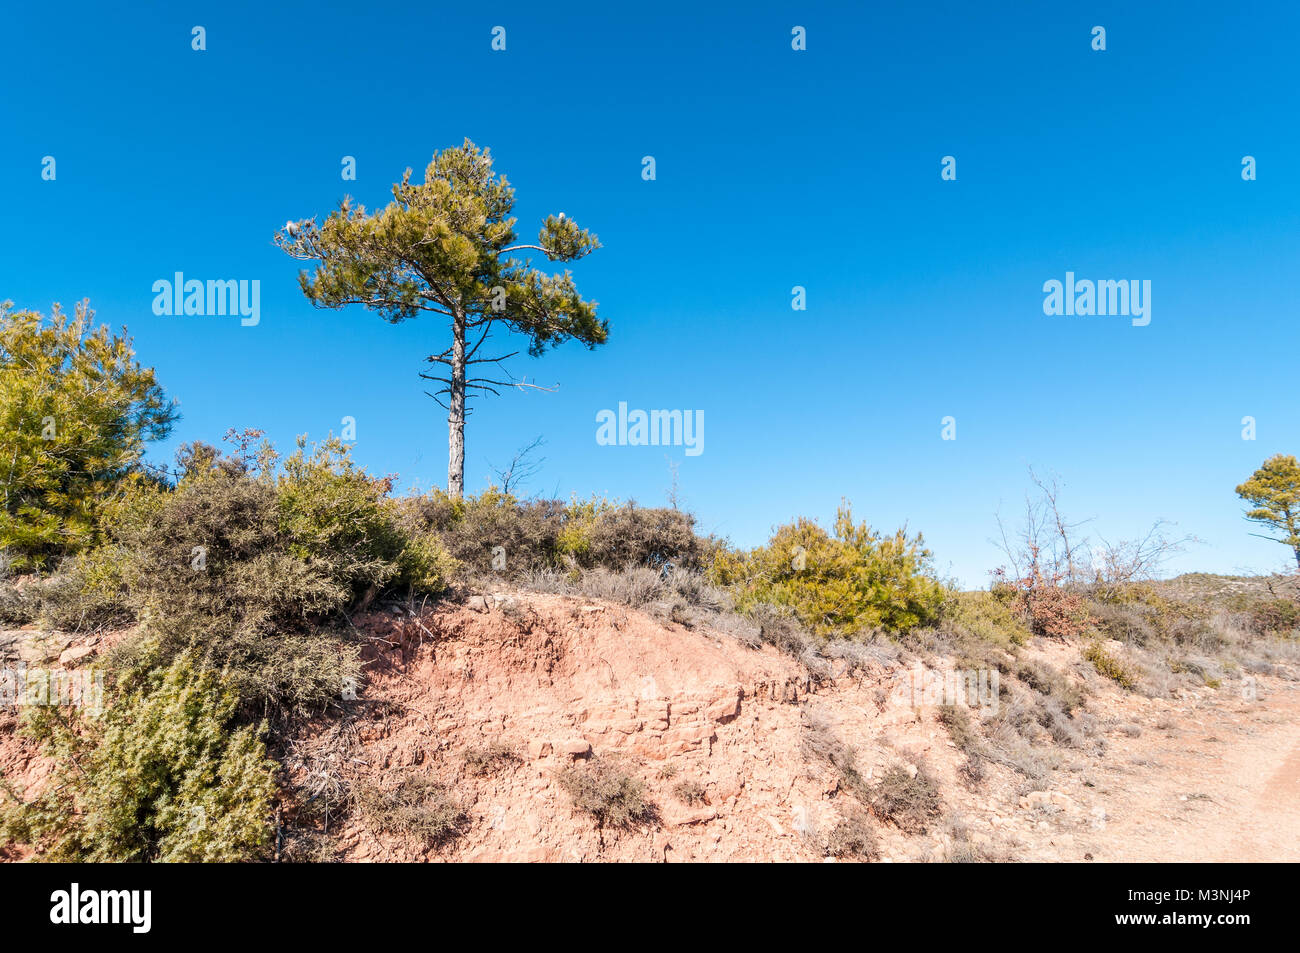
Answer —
1216 781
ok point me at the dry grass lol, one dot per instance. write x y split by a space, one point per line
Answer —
820 743
608 793
911 802
481 760
689 792
418 809
853 837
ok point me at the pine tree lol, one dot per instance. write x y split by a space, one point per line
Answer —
76 410
1273 491
446 246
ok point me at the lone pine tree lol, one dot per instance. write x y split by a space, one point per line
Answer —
447 246
1273 492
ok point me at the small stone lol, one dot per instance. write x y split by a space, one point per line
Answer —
576 747
75 654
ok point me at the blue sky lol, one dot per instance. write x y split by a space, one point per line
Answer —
775 168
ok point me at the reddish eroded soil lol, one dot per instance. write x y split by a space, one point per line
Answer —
556 679
1209 775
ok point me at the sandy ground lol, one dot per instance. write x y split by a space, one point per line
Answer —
1221 782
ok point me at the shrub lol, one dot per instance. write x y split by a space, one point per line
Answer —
540 535
1109 666
983 617
76 410
1048 681
965 849
819 742
245 565
1055 612
1124 623
1272 616
1044 594
853 836
485 759
844 584
606 792
778 627
967 739
308 847
683 589
634 586
689 792
335 514
1012 736
161 776
629 535
910 802
960 729
84 594
471 528
419 808
208 569
1063 729
580 516
18 601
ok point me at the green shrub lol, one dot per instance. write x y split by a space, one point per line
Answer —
983 617
579 517
470 529
840 585
161 776
76 410
1109 666
245 566
1271 616
208 569
84 594
1138 613
334 514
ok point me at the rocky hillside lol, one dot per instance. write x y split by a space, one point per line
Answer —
488 710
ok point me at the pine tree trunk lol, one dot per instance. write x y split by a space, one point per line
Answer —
456 414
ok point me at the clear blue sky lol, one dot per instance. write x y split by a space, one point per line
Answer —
775 168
